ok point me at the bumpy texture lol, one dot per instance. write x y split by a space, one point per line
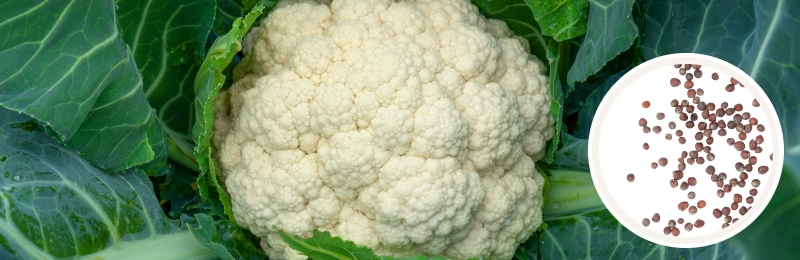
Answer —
410 127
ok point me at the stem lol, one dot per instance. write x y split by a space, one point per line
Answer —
182 152
571 192
180 245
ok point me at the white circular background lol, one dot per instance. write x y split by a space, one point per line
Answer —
615 150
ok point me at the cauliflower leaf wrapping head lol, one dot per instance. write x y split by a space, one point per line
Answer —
410 127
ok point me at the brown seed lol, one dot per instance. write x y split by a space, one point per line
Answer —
692 181
763 169
711 106
720 112
682 165
739 166
710 169
663 161
680 220
742 176
755 103
698 73
671 125
725 225
671 223
753 192
750 200
673 183
688 227
707 149
683 206
734 81
701 126
699 223
753 121
714 76
675 82
742 136
738 107
759 139
684 185
746 115
682 140
653 165
645 222
710 156
698 136
667 230
700 92
770 157
696 66
698 146
729 111
642 122
693 154
690 109
748 128
731 125
726 211
684 154
656 218
744 154
712 124
688 84
710 140
748 167
760 128
701 204
630 177
739 127
714 177
739 146
717 213
689 76
730 141
743 210
683 117
741 184
720 193
692 210
728 219
674 103
691 195
734 205
676 232
678 65
693 117
691 93
659 115
727 188
737 118
733 182
677 175
753 160
679 133
724 105
657 129
720 183
646 129
758 149
737 198
729 88
680 160
668 136
722 176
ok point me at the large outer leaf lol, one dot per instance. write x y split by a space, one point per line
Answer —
561 19
556 55
611 31
519 18
321 245
720 28
167 39
65 64
586 116
56 205
229 10
223 237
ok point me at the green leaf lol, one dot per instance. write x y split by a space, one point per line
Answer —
586 116
321 245
207 84
229 10
557 56
720 28
167 39
519 18
598 235
179 189
56 205
574 155
610 31
223 237
560 19
66 65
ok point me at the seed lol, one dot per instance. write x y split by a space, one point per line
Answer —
740 184
745 154
742 176
700 91
675 82
742 136
684 154
746 115
657 129
760 128
693 118
684 185
729 88
710 169
698 146
731 141
707 149
698 73
691 195
645 222
722 176
642 122
699 223
750 200
729 111
692 181
680 220
733 182
737 198
727 188
679 133
724 105
680 160
678 65
720 193
681 166
673 183
714 177
738 107
726 211
667 230
734 81
653 165
725 225
752 161
743 210
676 232
689 76
691 93
748 167
663 161
671 223
739 166
720 183
701 126
734 205
710 156
753 121
755 103
710 140
720 112
753 192
748 128
660 116
688 84
701 204
682 140
693 154
646 129
732 125
690 109
763 169
674 103
737 118
696 66
753 144
683 117
728 219
717 213
712 124
668 136
698 136
683 206
770 157
630 177
656 218
759 139
738 145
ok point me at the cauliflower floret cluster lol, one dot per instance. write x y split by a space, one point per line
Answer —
410 127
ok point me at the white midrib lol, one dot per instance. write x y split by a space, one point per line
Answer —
767 40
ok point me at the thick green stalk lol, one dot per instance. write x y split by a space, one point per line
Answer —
571 192
179 246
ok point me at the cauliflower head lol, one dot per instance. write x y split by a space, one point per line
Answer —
410 127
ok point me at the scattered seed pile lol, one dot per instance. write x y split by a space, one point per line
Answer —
705 121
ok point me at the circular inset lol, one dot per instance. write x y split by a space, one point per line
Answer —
709 188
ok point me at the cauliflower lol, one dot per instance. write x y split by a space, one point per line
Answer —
410 127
